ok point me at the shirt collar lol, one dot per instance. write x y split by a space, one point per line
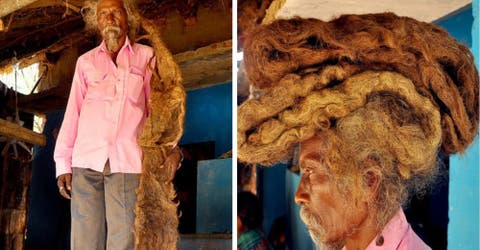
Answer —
393 233
103 47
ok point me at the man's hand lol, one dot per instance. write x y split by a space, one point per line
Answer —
173 162
64 183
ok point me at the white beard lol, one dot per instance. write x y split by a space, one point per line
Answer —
111 34
312 221
329 246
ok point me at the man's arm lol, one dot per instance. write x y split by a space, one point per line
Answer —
68 132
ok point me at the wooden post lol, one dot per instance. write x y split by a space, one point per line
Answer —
10 129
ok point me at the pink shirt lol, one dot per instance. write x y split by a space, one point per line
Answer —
398 235
106 111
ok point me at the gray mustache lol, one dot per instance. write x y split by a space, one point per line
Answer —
111 28
310 219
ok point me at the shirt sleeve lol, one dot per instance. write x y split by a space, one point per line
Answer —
68 131
146 83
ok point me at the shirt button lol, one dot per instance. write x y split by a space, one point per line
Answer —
380 240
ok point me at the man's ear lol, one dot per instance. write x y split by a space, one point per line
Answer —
372 178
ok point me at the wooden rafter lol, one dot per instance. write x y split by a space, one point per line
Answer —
9 6
40 31
13 130
50 3
206 66
38 39
44 101
271 12
65 42
210 50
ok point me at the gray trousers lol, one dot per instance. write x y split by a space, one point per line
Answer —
102 209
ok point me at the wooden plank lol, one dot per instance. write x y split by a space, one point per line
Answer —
70 22
206 66
44 101
205 241
212 80
72 5
210 50
272 11
9 6
207 71
73 39
10 129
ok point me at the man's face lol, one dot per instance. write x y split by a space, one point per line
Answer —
112 22
329 216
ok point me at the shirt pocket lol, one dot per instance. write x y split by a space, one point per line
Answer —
99 89
135 85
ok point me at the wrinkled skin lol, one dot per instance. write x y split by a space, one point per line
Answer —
332 219
64 183
112 23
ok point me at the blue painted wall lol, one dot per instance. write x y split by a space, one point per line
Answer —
463 228
459 25
209 117
214 196
273 194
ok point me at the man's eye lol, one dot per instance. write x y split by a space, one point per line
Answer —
116 12
307 171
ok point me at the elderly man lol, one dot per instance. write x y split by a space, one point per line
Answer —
370 100
97 155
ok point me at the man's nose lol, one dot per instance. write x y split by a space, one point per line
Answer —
110 18
301 196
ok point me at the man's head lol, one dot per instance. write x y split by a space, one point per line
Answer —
116 12
358 173
112 23
327 213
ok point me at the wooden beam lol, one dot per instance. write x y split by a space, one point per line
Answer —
49 3
45 101
69 40
208 71
210 50
22 38
206 66
13 130
272 10
9 6
27 44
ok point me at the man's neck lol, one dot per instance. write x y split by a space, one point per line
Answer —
364 234
113 55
